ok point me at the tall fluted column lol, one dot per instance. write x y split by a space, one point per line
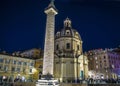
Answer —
48 60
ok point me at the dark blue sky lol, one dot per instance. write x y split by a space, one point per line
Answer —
22 22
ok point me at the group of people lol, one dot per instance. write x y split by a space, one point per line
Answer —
102 81
12 79
94 81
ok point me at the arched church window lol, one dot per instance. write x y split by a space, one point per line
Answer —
68 46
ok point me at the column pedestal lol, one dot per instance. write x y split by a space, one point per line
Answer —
47 80
44 82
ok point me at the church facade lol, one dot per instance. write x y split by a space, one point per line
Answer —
69 63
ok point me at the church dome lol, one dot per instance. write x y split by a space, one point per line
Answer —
68 31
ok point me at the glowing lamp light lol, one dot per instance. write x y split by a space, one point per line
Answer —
34 70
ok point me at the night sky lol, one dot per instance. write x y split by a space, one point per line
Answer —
22 22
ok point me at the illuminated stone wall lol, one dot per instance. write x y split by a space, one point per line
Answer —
34 53
67 68
69 60
13 65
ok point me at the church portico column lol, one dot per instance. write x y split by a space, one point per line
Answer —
75 68
61 77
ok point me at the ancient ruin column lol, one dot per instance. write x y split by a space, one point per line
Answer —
48 60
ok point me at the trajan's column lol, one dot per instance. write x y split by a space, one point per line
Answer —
48 60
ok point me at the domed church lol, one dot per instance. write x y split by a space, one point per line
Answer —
70 64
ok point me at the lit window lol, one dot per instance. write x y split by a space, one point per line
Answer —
68 46
96 58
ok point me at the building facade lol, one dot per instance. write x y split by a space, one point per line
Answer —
70 64
34 53
39 68
14 67
103 64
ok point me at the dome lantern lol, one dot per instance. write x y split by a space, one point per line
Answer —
67 22
68 31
